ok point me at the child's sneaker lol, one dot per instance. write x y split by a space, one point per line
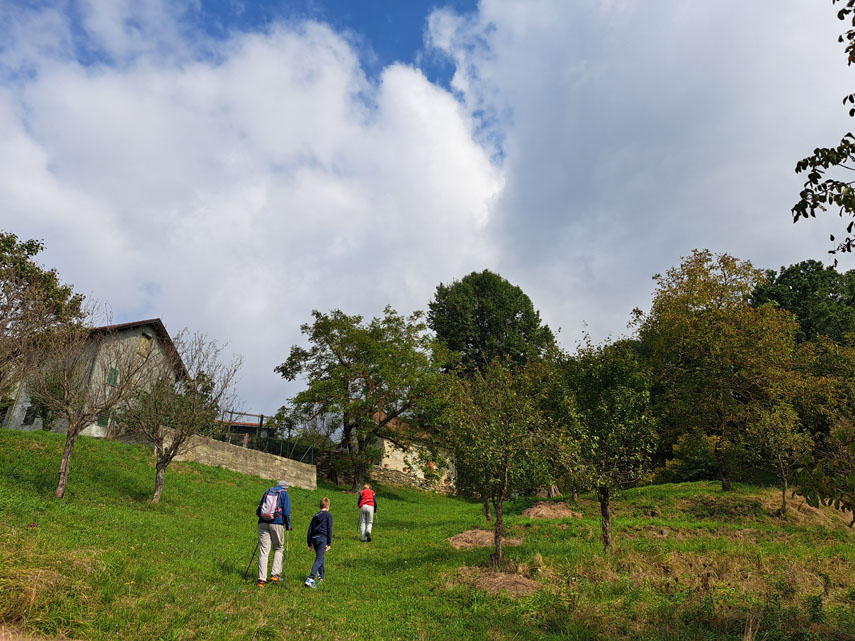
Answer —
310 583
368 537
275 579
260 584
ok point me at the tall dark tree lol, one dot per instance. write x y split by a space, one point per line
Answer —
483 316
821 298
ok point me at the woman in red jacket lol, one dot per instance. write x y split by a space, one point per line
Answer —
367 502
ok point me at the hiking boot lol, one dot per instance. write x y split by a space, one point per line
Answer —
260 584
368 537
275 579
310 583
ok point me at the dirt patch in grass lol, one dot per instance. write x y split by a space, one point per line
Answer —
551 510
494 582
478 539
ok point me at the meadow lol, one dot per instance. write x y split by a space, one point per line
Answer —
690 562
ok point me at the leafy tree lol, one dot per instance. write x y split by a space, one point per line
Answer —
828 474
821 298
612 423
499 434
482 317
373 376
32 300
184 395
822 391
827 185
83 376
718 361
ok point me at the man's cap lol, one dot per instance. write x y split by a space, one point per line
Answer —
283 484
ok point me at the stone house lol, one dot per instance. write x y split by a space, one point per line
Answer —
412 465
147 337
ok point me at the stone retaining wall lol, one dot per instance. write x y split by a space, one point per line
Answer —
208 451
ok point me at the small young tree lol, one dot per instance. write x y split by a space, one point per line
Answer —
83 376
185 396
611 424
777 437
499 434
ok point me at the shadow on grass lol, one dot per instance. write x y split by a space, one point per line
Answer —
237 569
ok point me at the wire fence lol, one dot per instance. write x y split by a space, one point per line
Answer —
257 432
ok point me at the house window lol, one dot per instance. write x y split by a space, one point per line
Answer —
145 345
30 415
112 377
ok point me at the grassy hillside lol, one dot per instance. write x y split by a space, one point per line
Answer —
690 562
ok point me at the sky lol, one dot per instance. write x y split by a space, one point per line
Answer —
230 166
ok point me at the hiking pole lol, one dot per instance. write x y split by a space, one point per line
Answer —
287 541
250 559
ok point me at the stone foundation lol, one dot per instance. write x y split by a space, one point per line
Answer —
385 476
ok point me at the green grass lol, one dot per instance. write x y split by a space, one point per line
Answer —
689 562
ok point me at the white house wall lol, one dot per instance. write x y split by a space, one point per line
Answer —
128 339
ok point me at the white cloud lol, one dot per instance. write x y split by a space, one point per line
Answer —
639 131
237 193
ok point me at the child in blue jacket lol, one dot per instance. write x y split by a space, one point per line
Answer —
319 537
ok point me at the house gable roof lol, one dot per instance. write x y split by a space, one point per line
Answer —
163 336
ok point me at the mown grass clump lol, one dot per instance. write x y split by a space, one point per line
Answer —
689 562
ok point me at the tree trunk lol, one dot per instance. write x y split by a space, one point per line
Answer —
498 532
782 473
487 510
358 476
723 472
359 467
353 452
603 494
159 479
726 482
65 465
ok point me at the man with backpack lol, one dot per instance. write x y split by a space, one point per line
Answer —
274 517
